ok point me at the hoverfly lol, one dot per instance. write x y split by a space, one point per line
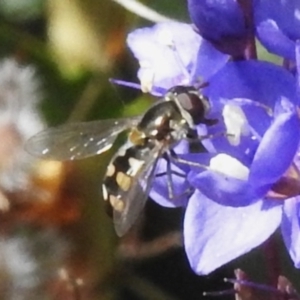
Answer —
131 171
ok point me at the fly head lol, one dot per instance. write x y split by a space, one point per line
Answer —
192 102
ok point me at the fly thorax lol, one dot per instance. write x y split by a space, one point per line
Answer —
160 121
179 129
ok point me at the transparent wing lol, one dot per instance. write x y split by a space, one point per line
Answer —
135 198
78 140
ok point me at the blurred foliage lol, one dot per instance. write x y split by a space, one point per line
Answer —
263 54
17 10
173 9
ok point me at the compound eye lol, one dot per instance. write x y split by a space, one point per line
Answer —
196 105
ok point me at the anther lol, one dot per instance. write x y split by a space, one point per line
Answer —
291 294
219 293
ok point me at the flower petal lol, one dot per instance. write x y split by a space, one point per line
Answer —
215 235
259 81
280 141
225 190
216 19
290 228
167 51
278 25
274 40
209 61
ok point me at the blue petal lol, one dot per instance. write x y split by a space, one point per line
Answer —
276 151
226 190
216 19
209 61
151 47
276 19
256 80
274 40
290 228
215 235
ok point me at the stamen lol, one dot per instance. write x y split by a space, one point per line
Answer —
166 38
147 79
288 293
236 123
229 166
255 134
244 101
244 289
219 293
259 286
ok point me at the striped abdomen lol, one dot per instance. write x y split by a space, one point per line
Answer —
121 174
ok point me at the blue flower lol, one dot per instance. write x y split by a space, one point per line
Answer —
278 25
250 159
232 210
171 54
230 25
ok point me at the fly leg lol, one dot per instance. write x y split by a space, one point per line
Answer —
192 137
170 184
195 140
174 157
168 173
